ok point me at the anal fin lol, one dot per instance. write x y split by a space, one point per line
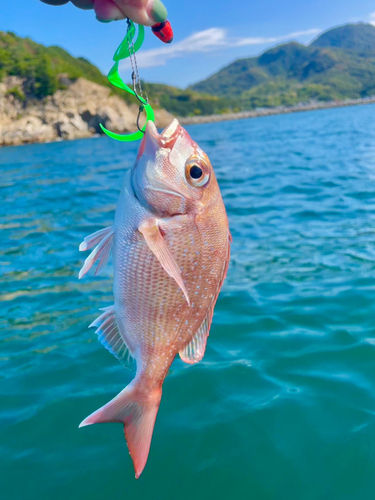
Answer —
109 335
193 352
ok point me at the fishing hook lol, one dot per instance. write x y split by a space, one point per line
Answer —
141 99
141 109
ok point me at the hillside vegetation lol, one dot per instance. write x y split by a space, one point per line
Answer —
358 37
339 64
47 69
187 102
42 65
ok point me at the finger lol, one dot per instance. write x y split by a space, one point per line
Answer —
83 4
146 12
106 10
136 10
55 2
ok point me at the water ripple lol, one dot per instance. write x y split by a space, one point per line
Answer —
283 404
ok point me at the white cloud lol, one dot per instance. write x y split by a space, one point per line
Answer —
205 41
372 18
258 41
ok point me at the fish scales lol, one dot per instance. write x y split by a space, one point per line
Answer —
162 320
171 246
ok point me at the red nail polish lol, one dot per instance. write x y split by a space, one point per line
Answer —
163 31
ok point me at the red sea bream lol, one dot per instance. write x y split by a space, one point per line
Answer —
171 244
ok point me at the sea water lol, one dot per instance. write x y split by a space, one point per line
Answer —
282 407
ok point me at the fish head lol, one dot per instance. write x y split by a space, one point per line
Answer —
172 175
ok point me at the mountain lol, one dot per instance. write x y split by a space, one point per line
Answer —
359 37
46 94
339 64
186 102
41 66
45 70
46 85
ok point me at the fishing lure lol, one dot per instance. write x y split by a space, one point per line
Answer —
127 48
163 31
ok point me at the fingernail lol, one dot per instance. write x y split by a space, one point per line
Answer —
104 20
159 12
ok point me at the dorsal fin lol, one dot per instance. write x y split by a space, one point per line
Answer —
109 335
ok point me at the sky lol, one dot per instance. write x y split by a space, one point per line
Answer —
208 34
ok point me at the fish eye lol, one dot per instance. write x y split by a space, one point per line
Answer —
196 175
196 172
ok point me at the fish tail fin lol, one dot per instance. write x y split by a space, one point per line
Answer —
137 410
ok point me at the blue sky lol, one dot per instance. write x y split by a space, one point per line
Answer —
208 34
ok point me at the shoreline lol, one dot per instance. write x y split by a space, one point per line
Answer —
280 110
25 126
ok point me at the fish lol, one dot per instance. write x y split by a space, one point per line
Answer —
170 243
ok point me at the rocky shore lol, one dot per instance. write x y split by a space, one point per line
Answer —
77 111
280 110
72 113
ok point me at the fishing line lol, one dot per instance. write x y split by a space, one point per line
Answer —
127 48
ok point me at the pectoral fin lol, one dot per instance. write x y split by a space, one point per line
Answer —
158 246
103 241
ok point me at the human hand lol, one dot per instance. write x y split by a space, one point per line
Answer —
145 12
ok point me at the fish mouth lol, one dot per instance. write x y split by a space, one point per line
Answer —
151 184
153 142
166 140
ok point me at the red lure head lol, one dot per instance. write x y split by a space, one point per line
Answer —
163 31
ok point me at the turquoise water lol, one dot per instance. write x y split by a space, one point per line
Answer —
283 405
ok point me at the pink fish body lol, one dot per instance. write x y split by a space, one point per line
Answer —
171 245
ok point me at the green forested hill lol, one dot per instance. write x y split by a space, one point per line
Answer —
187 102
358 37
339 64
42 67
